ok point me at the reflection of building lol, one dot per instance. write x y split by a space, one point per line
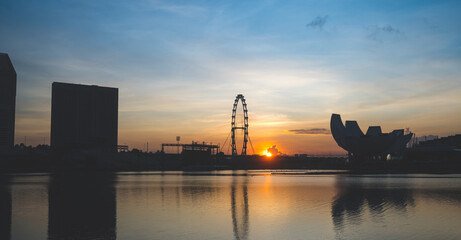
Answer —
373 144
5 209
82 206
355 195
240 209
7 102
84 117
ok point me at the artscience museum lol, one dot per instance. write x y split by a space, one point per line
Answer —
374 144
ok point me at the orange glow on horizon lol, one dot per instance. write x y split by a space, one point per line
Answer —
266 153
271 151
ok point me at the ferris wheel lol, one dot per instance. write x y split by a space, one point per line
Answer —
243 127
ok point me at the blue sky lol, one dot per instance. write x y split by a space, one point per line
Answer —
180 64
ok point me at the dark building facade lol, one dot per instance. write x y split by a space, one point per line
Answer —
84 117
7 102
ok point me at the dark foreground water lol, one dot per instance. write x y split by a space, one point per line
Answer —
229 205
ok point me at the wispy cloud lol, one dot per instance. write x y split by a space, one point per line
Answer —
317 23
186 10
379 33
310 131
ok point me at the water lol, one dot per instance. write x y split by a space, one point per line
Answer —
229 205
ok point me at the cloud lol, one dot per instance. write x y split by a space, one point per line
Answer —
311 131
182 10
274 151
379 33
318 23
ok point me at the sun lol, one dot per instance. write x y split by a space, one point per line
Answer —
267 154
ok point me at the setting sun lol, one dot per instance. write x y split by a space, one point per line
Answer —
267 153
272 152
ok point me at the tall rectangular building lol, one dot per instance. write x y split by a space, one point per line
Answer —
84 117
7 102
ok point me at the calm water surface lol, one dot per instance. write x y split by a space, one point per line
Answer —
229 205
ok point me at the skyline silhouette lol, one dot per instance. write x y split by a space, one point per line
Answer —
178 66
173 119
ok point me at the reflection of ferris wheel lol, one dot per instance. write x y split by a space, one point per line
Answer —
244 127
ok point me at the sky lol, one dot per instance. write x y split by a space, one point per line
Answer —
180 64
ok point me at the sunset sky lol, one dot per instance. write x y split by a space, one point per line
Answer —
180 64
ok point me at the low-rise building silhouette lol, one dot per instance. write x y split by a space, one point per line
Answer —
7 102
84 117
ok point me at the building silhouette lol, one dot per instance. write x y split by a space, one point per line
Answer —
370 146
84 117
7 102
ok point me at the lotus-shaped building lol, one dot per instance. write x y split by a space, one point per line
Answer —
373 143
